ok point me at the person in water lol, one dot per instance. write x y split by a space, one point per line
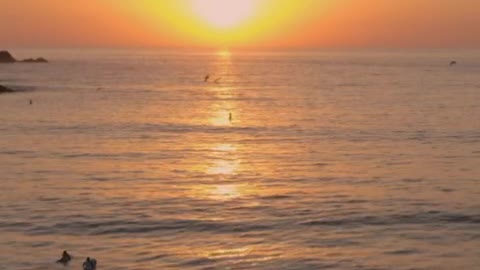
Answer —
90 264
66 258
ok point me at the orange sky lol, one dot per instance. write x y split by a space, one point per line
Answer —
269 23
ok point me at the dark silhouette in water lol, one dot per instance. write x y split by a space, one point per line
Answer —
30 102
218 80
66 258
90 264
38 60
207 77
4 89
453 63
230 117
6 57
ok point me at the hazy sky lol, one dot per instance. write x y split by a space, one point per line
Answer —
240 23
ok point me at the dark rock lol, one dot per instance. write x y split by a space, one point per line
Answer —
38 60
6 57
4 89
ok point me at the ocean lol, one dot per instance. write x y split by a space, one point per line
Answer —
280 160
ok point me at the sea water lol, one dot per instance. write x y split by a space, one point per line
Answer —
280 160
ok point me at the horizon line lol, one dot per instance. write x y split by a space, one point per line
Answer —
245 48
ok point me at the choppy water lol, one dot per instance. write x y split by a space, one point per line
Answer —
332 160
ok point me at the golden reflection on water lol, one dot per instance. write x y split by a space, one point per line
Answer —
223 108
224 192
223 167
225 53
228 253
226 161
213 192
221 117
225 147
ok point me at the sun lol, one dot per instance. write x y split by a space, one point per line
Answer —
224 14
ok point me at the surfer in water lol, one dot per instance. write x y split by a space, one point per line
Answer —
90 264
66 258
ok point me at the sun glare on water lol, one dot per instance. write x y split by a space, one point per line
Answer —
224 14
224 53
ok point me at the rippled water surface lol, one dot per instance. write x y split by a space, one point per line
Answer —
331 160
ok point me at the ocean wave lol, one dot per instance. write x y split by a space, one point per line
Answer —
146 227
114 227
430 217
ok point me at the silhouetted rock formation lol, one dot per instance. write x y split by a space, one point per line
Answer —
38 60
4 89
6 57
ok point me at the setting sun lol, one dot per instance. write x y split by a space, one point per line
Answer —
224 14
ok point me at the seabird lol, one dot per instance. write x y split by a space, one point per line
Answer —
66 258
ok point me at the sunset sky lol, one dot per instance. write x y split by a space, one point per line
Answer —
240 23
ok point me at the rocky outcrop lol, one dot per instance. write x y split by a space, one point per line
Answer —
4 89
38 60
6 57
